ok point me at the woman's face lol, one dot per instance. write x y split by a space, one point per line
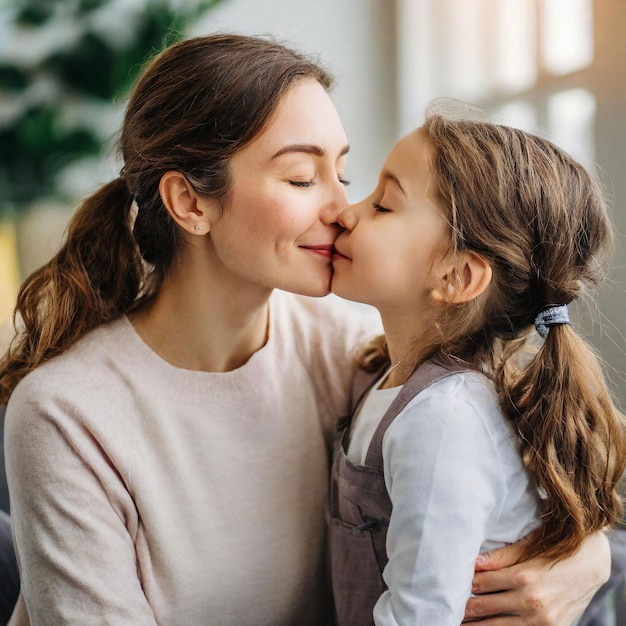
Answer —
278 225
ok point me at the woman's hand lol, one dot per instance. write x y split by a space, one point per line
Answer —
536 593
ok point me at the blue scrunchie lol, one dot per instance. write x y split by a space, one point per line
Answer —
554 316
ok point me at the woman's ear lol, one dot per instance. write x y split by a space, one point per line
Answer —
465 280
189 210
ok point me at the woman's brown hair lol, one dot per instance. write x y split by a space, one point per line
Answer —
541 222
195 105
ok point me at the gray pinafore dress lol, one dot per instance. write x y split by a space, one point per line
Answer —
360 507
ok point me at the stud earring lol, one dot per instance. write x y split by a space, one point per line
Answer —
197 226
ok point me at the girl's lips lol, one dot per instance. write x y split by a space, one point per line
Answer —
337 256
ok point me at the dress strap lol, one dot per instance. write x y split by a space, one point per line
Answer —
425 375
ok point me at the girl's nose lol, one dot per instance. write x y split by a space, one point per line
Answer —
347 217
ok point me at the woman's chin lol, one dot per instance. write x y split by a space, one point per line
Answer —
316 287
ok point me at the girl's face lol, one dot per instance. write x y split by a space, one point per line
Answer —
278 225
393 238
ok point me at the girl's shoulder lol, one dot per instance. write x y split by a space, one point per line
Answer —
461 402
456 420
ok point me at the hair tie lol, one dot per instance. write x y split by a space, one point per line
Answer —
552 316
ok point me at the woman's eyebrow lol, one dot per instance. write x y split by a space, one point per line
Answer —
308 149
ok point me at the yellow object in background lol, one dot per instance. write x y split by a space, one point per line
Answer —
9 269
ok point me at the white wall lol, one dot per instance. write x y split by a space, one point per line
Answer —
355 39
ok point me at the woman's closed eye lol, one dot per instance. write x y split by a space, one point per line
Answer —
309 183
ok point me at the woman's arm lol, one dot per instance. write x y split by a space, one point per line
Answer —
540 594
71 514
599 610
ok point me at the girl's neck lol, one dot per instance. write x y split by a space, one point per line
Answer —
407 344
198 322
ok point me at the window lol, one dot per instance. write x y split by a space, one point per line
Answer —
508 56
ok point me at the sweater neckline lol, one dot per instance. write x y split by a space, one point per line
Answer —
140 355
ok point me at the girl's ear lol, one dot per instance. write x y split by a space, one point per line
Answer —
188 210
465 280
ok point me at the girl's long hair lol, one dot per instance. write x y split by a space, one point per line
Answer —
196 104
540 220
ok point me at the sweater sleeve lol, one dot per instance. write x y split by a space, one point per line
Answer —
445 480
331 333
72 515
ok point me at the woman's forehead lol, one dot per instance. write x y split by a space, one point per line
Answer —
305 116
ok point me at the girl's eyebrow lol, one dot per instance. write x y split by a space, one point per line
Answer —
387 175
308 149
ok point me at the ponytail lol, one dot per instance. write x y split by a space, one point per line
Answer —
572 439
95 277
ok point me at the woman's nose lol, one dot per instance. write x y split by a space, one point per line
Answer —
337 201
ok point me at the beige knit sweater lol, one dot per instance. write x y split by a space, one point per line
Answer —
142 493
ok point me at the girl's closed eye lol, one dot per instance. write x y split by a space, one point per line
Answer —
343 181
378 208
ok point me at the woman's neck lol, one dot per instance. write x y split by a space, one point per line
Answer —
199 324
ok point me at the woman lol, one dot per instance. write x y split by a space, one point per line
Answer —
171 414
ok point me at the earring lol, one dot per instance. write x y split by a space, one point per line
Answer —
437 296
197 226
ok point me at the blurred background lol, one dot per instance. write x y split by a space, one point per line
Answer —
554 67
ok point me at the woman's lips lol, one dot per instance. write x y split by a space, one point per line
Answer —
328 251
325 250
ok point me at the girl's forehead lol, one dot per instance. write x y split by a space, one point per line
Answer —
410 157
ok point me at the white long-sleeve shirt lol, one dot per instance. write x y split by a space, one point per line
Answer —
458 488
147 494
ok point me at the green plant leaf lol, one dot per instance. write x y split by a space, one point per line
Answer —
86 68
13 78
34 147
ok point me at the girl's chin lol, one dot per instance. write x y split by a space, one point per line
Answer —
338 290
339 287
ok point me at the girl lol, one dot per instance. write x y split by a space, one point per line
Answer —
171 411
475 236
